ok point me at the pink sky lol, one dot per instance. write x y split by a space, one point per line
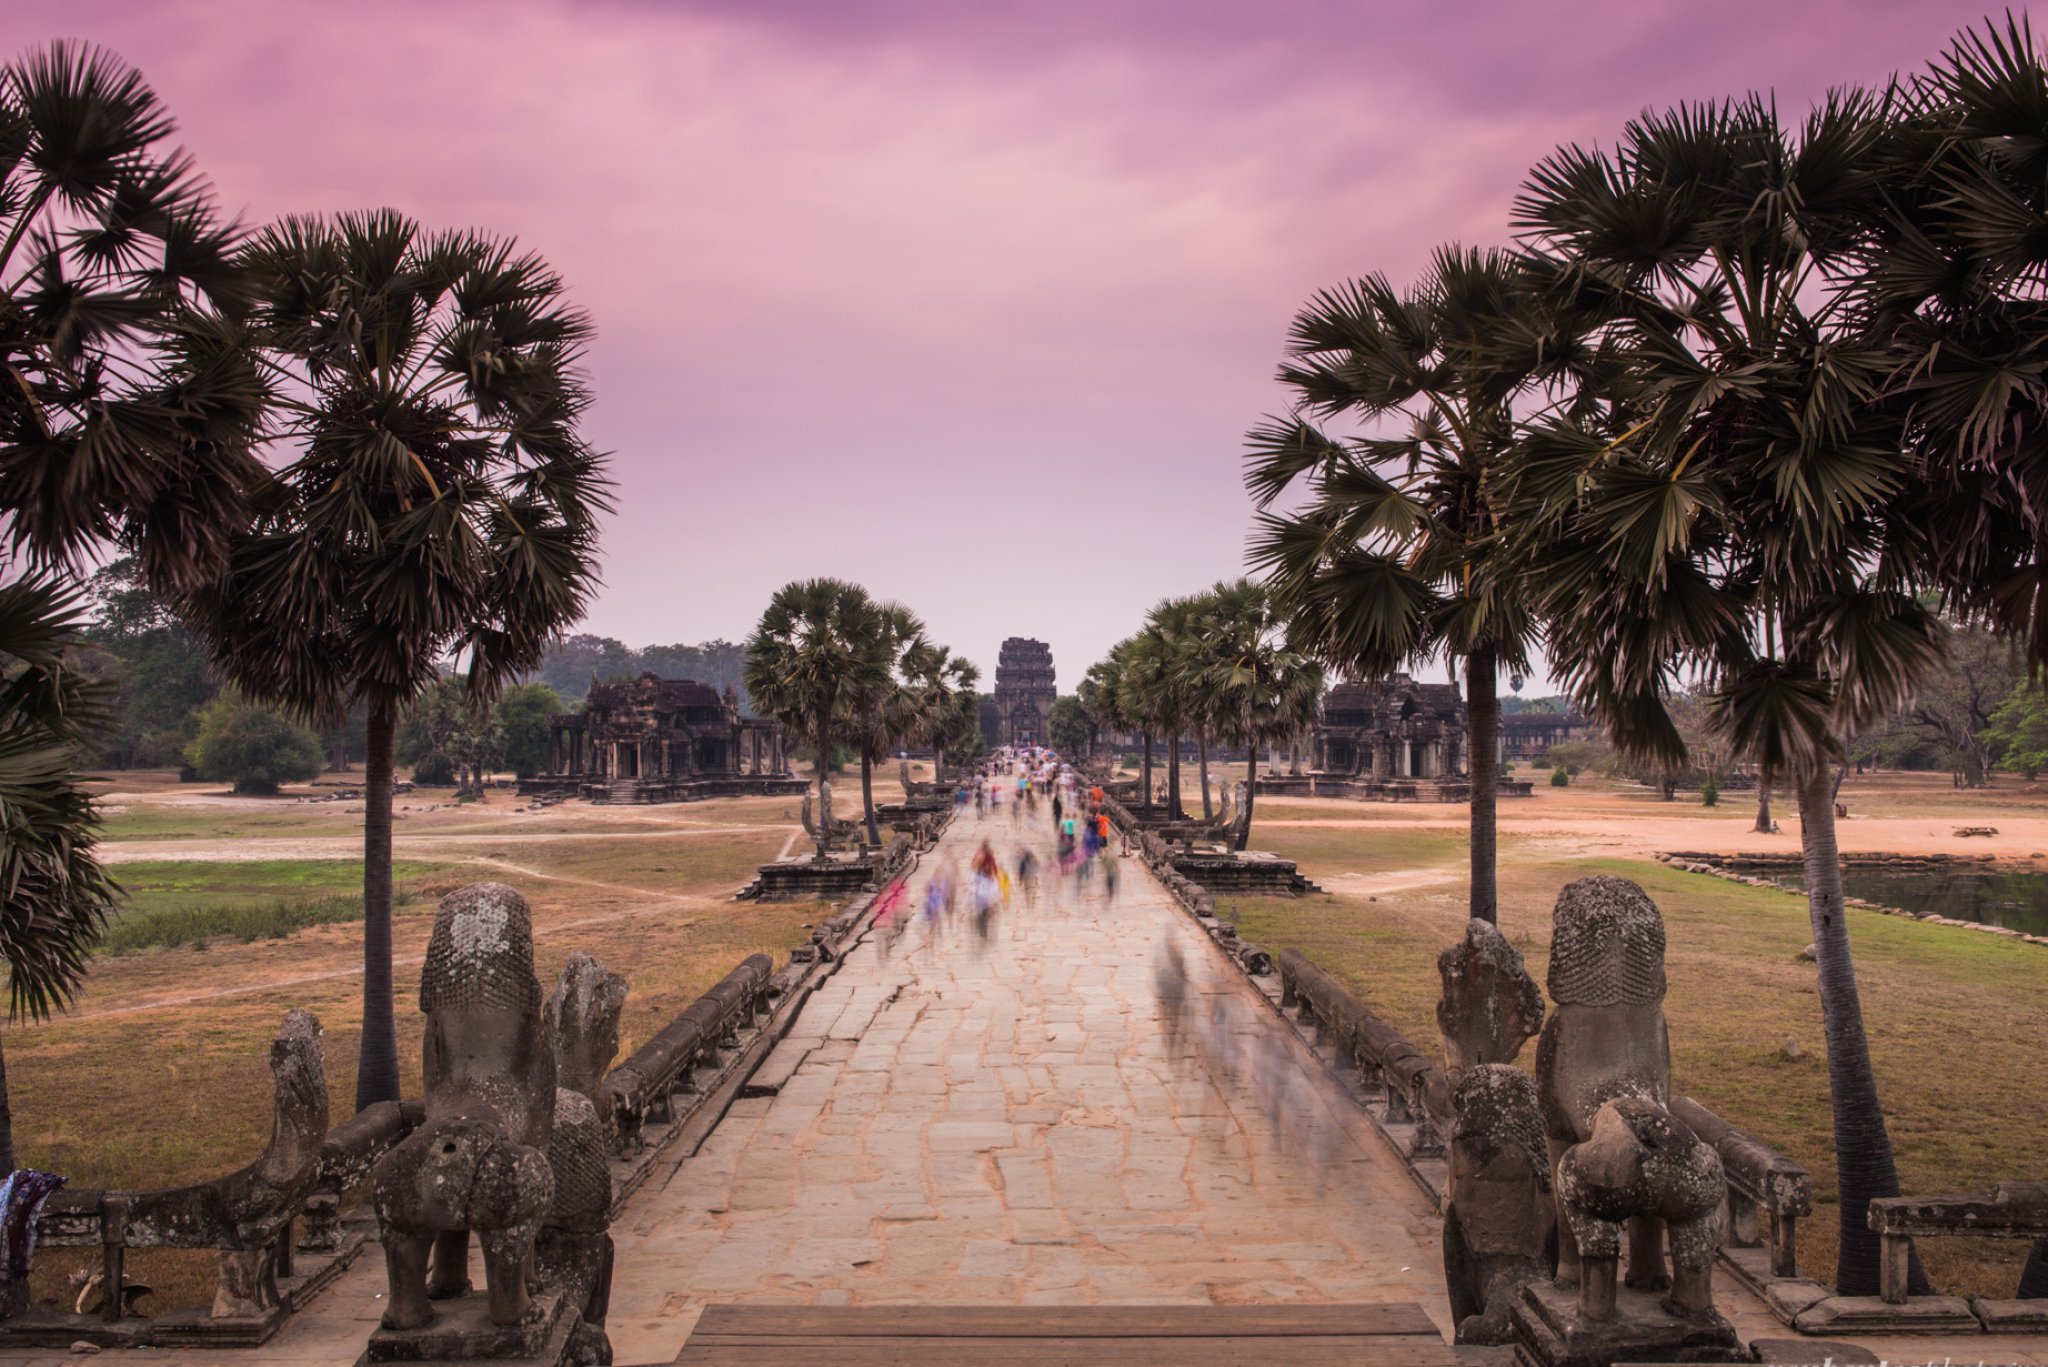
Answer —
957 300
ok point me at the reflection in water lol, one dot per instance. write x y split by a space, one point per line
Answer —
1988 893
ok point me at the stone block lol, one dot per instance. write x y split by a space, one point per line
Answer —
1811 1353
462 1330
1550 1332
1873 1315
2011 1317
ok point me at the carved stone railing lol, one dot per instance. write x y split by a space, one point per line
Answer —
643 1087
285 1273
2010 1210
1768 1193
1416 1091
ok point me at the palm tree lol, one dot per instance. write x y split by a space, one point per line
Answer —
812 652
1161 683
56 895
1100 695
1195 661
943 703
440 501
1262 690
1107 693
1949 287
1397 554
127 420
1739 508
880 706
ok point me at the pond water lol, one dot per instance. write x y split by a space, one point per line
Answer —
1971 892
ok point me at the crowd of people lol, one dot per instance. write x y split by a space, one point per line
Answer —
1047 842
1012 795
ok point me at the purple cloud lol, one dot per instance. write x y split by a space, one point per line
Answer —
972 303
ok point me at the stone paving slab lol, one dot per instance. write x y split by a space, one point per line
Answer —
1014 1119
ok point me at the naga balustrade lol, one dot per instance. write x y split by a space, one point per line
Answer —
255 1250
1416 1089
1765 1188
640 1087
2010 1210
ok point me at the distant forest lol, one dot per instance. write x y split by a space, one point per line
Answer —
578 661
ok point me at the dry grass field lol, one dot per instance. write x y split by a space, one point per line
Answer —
160 1073
1956 1018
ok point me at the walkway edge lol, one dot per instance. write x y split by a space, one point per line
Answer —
687 1134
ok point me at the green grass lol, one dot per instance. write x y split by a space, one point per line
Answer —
177 903
1955 1019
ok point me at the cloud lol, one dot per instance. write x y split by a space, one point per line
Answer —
972 303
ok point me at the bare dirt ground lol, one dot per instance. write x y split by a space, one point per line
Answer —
1890 813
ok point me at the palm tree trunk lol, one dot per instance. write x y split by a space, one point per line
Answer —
824 791
1173 807
1148 768
2033 1277
1202 757
867 796
1482 705
7 1163
1863 1147
1251 788
1763 807
377 1063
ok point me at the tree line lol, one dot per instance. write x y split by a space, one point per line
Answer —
171 708
573 663
1750 412
1214 666
838 667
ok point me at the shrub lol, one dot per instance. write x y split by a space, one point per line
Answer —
1560 779
1710 792
254 748
246 921
524 711
1539 763
435 771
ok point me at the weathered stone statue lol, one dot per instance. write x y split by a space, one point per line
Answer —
1490 1005
574 1253
258 1202
479 1161
1499 1223
1618 1157
1641 1163
1607 1037
836 831
583 1015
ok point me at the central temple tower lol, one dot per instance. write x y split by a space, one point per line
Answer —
1024 693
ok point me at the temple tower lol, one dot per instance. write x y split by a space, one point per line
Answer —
1024 693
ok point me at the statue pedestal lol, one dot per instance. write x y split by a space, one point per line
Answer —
803 877
1550 1332
462 1331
